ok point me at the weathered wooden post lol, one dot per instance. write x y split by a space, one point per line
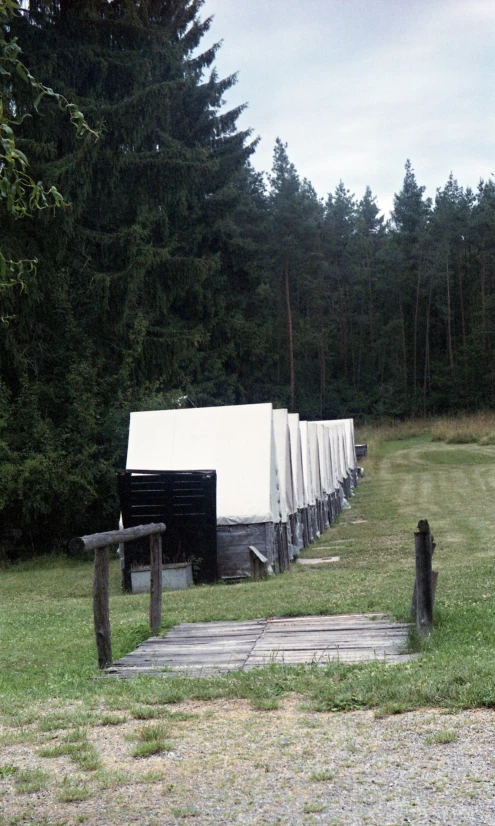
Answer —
100 542
101 606
434 581
155 582
423 597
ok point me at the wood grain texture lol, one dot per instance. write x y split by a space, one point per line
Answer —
100 540
101 607
155 582
203 648
423 582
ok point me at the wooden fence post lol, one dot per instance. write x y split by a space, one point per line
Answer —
434 581
101 608
423 585
100 543
155 582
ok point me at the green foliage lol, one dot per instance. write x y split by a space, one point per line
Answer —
20 195
29 781
178 271
73 790
152 740
442 737
130 290
7 770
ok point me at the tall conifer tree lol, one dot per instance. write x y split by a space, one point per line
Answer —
129 284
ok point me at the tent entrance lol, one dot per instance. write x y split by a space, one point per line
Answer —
186 502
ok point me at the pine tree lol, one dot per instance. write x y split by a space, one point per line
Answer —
339 245
370 235
20 195
129 282
410 221
482 292
449 222
295 233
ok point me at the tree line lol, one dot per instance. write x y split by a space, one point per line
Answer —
173 269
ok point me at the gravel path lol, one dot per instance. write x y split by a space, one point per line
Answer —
229 764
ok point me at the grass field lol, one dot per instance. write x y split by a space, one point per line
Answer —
47 652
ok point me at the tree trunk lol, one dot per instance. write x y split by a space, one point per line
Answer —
483 309
351 337
463 325
290 336
449 319
321 354
372 320
404 346
427 355
415 342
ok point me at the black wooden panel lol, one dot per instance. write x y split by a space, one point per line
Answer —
186 501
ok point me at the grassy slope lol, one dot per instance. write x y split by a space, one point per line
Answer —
47 644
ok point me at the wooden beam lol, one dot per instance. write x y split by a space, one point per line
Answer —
262 558
100 540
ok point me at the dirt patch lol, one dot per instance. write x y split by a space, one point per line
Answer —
226 763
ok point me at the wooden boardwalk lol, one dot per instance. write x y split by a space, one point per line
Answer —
204 648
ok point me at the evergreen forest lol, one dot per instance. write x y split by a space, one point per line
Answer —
152 266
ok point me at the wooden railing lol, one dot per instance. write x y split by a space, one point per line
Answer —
100 543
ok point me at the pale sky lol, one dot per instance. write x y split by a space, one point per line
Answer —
355 87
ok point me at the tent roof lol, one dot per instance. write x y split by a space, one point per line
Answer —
284 461
316 470
296 460
236 441
309 494
338 435
324 452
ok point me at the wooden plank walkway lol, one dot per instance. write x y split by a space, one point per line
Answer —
203 648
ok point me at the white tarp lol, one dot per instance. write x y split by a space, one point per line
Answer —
333 456
236 441
324 457
296 460
316 471
284 462
350 442
337 435
309 494
341 432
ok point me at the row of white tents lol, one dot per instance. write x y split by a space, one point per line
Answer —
280 481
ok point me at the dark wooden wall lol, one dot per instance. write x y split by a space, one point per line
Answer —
186 502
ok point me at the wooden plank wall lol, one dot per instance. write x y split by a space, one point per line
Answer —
233 543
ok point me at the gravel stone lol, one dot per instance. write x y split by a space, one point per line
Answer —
231 764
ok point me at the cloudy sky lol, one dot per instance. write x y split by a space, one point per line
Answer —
355 87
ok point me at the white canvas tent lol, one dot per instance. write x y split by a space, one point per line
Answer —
318 474
238 442
284 462
297 460
339 440
334 454
309 492
302 531
351 450
326 463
